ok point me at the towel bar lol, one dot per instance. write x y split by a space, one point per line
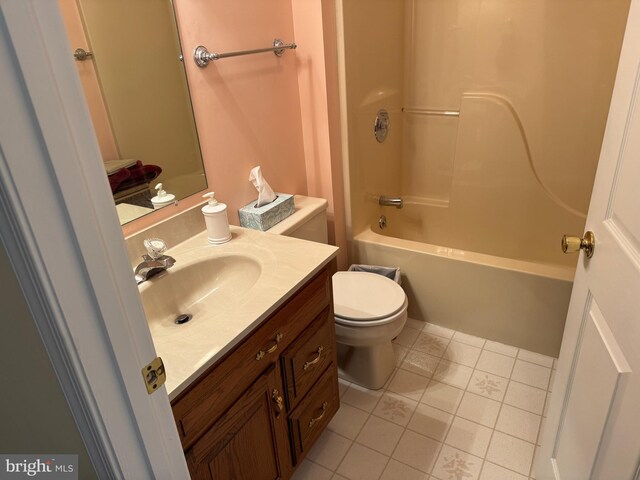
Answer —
202 57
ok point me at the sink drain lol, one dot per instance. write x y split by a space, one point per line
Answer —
184 318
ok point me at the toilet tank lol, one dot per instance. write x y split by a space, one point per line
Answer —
308 221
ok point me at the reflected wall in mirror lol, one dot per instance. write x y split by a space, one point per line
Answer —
136 89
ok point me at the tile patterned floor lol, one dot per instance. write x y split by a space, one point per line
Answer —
457 407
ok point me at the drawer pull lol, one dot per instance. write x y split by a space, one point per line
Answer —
260 355
313 421
278 400
315 360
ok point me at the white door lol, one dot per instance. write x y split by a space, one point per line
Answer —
64 241
593 428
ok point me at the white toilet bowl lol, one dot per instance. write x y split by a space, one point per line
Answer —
370 310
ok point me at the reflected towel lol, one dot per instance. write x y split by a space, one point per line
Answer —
136 174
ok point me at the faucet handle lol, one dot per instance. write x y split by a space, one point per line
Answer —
155 247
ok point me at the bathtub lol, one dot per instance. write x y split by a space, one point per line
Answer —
510 301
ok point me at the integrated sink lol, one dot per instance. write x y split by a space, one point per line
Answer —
202 288
229 290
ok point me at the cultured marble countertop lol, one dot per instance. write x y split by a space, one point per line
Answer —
286 264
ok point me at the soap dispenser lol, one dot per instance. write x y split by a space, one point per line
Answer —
215 216
162 199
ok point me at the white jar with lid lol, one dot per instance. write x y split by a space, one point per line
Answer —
215 216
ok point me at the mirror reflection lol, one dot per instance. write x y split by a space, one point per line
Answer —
128 55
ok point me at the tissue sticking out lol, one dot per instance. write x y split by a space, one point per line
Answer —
265 192
269 209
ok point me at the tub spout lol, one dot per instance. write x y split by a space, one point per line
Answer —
390 201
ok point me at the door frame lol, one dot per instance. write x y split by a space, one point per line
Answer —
65 244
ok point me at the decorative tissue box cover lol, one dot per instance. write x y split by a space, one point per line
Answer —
266 216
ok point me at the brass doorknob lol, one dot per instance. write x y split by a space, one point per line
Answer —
575 244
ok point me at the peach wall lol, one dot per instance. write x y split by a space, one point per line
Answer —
247 108
330 26
280 113
315 32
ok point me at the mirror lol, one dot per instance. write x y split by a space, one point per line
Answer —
129 58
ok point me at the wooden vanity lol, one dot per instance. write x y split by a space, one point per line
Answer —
256 412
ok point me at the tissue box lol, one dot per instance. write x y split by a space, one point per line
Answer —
266 216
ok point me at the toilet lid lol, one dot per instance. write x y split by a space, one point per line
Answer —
365 296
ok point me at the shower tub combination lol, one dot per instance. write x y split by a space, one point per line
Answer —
484 257
491 146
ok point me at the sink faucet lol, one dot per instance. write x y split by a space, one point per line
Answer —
155 262
152 266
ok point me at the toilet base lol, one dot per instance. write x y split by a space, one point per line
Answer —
369 367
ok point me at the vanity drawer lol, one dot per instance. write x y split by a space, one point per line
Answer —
307 357
314 412
197 408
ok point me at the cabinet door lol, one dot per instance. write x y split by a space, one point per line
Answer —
244 442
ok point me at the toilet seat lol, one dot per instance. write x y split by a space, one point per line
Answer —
364 299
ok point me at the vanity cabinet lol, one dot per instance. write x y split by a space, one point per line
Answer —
256 412
243 442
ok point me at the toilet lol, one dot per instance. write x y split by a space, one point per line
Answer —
370 310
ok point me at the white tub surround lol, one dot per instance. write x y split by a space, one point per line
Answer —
279 264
